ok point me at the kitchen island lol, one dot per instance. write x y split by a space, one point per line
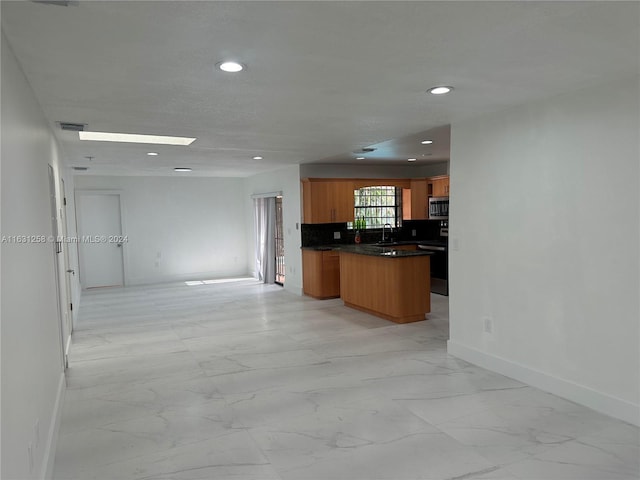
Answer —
390 283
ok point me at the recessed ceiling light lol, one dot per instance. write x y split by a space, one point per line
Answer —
426 142
441 90
257 157
231 67
411 159
182 169
134 138
152 154
359 158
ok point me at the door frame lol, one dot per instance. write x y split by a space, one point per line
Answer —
55 230
67 271
78 193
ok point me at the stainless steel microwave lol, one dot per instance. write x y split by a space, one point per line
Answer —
438 208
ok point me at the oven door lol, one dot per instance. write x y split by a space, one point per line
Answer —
439 268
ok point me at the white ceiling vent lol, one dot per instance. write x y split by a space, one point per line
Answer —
72 127
365 150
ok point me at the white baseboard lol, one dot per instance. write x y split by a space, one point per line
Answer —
54 429
601 402
183 277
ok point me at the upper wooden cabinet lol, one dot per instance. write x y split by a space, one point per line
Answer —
331 200
419 203
327 200
440 186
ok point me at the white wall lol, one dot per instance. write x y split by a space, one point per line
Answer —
32 372
191 227
545 211
312 170
286 180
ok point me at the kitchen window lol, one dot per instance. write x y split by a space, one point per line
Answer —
379 205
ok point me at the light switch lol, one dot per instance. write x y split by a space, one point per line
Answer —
336 235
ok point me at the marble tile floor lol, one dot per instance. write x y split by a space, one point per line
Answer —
247 381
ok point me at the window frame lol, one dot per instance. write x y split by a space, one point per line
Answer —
371 201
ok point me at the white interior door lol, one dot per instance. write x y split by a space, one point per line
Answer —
100 249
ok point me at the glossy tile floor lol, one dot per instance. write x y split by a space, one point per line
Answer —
247 381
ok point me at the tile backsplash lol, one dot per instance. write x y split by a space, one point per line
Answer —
323 233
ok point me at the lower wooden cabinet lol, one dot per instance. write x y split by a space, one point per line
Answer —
321 273
405 247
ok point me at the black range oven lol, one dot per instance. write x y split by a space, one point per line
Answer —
439 261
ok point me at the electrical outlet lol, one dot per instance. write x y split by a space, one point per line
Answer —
487 325
455 244
336 235
159 255
413 233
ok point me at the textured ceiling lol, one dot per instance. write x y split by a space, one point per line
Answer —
323 79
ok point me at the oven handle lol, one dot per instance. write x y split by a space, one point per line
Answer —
433 249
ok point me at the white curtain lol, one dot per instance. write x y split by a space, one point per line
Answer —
265 223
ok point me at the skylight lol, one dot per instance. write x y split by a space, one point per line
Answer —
134 138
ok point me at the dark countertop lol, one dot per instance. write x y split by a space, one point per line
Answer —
338 246
374 250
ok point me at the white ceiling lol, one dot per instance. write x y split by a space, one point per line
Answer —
324 79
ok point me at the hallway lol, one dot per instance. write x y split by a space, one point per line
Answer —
243 380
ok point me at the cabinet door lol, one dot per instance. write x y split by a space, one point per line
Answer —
321 202
342 201
440 187
327 201
316 206
330 274
419 205
312 273
321 273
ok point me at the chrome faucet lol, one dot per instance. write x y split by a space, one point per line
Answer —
383 227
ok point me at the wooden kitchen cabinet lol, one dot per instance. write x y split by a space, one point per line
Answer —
419 202
321 273
327 201
410 248
440 186
395 288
